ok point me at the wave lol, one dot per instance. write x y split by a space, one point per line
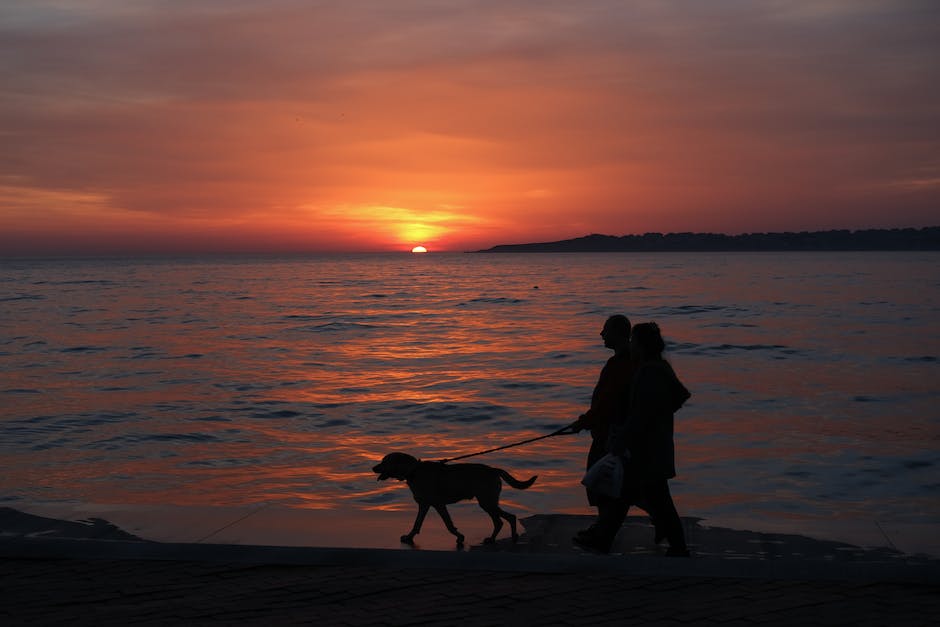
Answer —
691 348
691 310
496 300
338 327
527 385
622 290
77 282
122 441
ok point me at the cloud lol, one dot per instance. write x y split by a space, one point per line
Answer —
640 115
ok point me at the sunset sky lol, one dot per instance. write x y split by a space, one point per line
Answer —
354 125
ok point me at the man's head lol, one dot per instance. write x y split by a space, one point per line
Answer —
616 331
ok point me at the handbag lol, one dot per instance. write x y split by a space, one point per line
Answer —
605 476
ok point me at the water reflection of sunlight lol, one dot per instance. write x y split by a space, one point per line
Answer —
286 380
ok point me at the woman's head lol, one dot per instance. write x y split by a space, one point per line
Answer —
646 342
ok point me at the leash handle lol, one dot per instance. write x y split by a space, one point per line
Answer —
563 431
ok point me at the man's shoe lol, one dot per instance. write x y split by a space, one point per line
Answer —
593 543
677 552
590 532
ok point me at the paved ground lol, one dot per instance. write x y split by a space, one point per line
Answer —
93 581
152 592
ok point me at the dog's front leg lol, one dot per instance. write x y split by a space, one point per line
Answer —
445 516
409 538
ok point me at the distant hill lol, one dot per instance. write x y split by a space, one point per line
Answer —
927 238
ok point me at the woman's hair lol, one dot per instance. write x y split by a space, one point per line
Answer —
649 338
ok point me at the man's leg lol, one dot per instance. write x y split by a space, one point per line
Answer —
610 516
663 511
597 451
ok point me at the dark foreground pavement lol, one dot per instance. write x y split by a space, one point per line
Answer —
94 574
258 586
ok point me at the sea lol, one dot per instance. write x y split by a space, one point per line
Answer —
246 380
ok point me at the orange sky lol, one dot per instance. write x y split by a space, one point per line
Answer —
289 125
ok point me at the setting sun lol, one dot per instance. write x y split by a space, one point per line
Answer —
564 123
419 249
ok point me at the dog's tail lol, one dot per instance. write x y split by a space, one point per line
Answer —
519 485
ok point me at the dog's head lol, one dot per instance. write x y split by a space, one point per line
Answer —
396 465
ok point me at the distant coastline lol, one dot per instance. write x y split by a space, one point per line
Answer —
927 238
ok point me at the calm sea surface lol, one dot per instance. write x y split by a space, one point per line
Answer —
248 380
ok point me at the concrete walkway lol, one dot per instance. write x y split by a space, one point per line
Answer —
98 575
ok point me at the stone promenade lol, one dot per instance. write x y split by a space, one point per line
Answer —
374 587
58 572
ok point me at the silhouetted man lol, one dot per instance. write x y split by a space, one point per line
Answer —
609 399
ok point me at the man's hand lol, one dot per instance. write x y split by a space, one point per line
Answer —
576 426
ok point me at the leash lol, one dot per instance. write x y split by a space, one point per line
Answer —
563 431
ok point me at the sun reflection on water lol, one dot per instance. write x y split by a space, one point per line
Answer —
285 381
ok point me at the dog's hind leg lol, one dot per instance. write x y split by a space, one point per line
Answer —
409 538
512 524
445 516
496 514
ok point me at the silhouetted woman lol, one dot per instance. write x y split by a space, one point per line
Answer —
646 437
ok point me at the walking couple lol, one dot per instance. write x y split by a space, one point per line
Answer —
631 416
